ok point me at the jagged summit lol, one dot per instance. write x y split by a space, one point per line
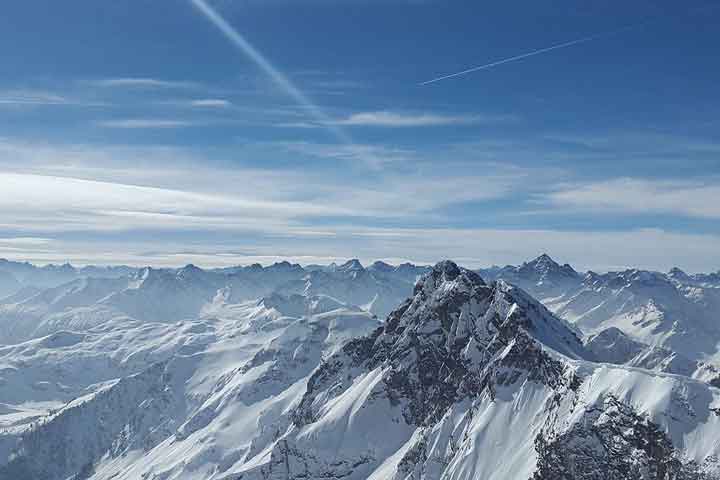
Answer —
452 337
190 270
545 267
448 276
352 265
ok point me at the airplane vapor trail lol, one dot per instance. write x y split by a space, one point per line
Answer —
276 75
531 54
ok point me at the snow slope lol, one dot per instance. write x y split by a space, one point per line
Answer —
673 311
115 392
464 379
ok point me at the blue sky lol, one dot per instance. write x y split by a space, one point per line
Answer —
138 132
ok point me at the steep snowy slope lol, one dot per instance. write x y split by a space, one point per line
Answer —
613 346
650 308
216 385
463 380
673 312
468 380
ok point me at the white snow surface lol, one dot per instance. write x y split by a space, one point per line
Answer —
170 375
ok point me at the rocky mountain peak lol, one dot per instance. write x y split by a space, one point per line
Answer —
446 276
190 271
545 266
454 337
352 265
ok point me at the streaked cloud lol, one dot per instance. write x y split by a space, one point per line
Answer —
374 156
92 192
144 82
399 120
54 203
210 103
39 98
68 188
31 97
131 123
472 247
639 196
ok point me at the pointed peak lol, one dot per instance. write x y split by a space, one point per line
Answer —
678 274
352 265
189 270
448 268
446 272
544 259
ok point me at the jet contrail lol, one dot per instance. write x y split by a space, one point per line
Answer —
531 54
276 75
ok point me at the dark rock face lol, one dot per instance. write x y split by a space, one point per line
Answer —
457 337
612 442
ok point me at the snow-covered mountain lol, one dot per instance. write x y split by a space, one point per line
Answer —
650 308
377 289
697 279
171 295
27 274
464 379
674 311
8 284
108 397
542 277
613 346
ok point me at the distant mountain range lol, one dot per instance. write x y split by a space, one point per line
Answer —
534 371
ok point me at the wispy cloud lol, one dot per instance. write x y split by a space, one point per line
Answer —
210 103
65 188
30 98
600 251
394 119
374 156
144 82
67 204
418 210
638 196
23 241
131 123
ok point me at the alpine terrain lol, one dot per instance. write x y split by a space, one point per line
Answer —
295 372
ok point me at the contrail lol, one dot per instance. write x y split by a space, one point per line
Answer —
533 53
276 75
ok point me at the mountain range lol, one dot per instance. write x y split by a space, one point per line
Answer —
344 371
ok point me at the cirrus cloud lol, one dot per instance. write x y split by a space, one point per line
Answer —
637 196
403 120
